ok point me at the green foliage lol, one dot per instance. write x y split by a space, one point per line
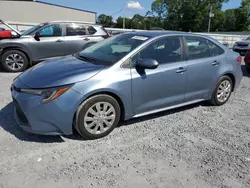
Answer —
106 21
187 15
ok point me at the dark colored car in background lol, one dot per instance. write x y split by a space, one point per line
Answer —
48 40
242 46
247 61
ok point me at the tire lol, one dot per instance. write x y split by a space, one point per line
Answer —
217 101
14 61
83 114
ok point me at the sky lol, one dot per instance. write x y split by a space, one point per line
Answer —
110 7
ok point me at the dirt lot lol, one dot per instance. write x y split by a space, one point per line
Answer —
196 146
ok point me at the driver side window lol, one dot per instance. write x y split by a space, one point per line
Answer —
163 50
51 31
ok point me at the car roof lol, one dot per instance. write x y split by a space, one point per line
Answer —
153 34
80 22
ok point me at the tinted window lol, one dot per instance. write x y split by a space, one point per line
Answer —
51 31
166 50
75 29
214 49
91 30
197 48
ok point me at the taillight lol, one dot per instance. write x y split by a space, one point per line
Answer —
239 59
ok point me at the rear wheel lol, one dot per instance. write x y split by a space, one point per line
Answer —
97 116
14 61
222 91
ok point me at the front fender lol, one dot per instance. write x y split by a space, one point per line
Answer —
16 46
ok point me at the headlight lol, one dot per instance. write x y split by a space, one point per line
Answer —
47 94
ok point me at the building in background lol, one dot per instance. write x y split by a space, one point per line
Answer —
22 14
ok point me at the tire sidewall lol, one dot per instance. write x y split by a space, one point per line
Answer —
215 99
83 108
9 52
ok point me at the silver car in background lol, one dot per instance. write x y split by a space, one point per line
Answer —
48 40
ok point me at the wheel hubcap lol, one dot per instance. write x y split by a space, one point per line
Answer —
224 91
14 61
99 118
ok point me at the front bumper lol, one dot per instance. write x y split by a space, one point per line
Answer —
53 118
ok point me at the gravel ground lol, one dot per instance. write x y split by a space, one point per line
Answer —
196 146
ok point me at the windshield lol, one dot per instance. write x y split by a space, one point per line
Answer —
32 29
248 38
113 49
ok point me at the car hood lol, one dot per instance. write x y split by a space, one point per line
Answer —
59 72
15 39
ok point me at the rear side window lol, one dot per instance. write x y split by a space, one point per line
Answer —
91 30
214 49
75 29
197 48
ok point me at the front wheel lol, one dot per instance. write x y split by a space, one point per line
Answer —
97 116
222 91
14 61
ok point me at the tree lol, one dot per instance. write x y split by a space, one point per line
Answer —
138 22
242 16
106 21
230 22
185 14
219 21
119 23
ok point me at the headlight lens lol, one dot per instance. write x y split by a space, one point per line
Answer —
47 94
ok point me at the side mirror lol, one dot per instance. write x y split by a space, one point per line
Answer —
37 36
148 64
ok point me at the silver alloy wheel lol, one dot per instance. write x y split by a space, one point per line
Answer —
224 91
14 61
99 118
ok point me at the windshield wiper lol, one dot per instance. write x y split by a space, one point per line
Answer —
85 58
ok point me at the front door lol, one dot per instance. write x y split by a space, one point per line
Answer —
164 86
50 43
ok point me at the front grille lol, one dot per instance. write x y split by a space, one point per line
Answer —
20 113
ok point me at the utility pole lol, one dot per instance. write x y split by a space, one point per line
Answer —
210 17
124 21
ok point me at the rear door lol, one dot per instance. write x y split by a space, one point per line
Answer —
50 43
204 62
77 36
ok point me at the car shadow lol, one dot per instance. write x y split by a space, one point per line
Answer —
8 123
161 114
244 70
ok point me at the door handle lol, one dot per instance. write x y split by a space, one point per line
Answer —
181 70
59 40
86 39
215 63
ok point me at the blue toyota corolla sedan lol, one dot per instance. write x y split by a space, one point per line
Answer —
123 77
